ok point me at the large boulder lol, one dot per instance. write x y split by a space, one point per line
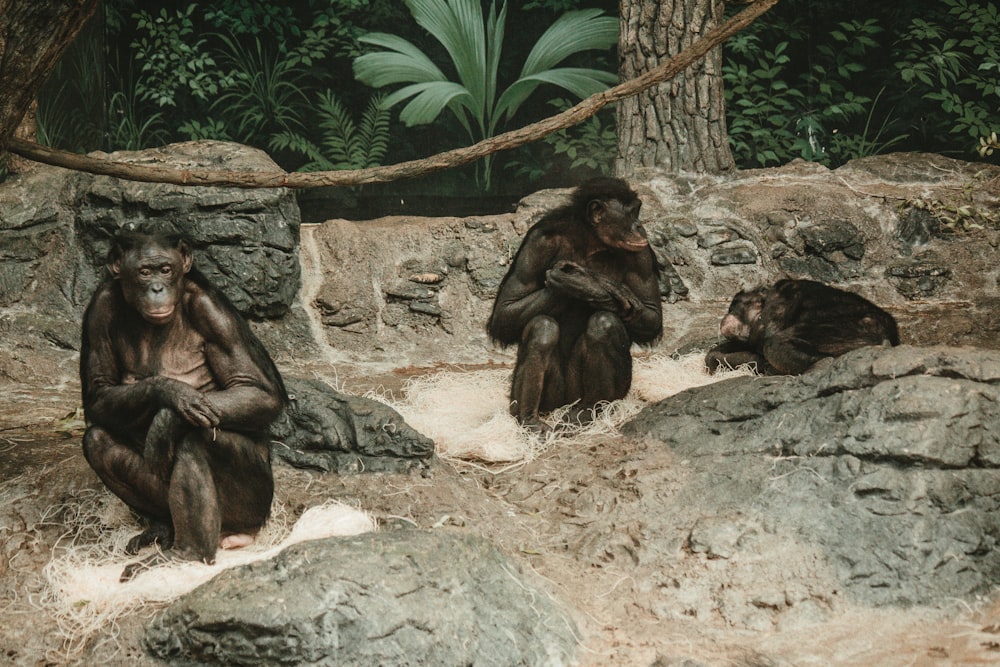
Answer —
885 462
403 597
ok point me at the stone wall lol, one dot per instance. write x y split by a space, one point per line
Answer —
915 233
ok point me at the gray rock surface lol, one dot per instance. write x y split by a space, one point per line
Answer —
327 430
56 226
886 460
401 597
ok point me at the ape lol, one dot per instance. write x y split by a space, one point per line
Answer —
788 327
582 288
178 394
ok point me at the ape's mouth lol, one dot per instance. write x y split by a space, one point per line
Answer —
158 316
635 245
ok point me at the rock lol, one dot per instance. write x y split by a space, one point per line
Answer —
886 459
403 597
326 430
56 226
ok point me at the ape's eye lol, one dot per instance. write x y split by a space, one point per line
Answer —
145 272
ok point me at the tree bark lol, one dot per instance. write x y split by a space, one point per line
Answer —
33 35
679 125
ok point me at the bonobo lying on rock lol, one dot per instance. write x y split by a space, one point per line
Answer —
582 288
178 394
786 328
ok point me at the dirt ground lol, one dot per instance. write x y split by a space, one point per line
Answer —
544 515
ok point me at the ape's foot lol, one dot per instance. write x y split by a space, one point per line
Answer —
157 533
535 425
132 570
236 541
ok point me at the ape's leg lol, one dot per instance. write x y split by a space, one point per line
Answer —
124 471
537 383
600 365
220 493
787 354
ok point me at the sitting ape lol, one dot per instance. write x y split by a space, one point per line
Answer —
178 395
582 288
788 327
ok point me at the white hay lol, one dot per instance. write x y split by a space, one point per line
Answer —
83 592
660 376
466 412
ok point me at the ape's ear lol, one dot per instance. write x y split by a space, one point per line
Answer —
595 211
187 258
114 262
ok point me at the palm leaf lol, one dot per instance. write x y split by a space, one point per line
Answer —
572 33
495 34
458 26
582 82
402 63
428 100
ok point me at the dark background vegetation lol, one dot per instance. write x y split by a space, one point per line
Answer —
825 81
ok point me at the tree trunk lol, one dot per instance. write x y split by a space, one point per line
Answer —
679 125
33 35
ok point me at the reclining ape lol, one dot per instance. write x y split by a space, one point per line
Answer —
178 394
786 328
582 288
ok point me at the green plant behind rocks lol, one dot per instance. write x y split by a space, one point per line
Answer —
779 111
474 42
171 60
831 82
345 144
952 60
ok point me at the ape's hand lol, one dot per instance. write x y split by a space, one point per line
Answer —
192 405
573 280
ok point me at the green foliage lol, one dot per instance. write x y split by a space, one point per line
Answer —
70 115
172 61
263 95
474 43
247 17
776 114
761 104
864 86
591 144
210 129
129 130
557 6
956 68
345 145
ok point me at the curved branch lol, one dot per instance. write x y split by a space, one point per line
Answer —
413 168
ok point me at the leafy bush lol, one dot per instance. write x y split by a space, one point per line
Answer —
170 63
863 87
776 113
955 64
345 145
263 95
591 144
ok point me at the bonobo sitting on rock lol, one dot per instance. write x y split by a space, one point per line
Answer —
786 328
178 394
582 288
